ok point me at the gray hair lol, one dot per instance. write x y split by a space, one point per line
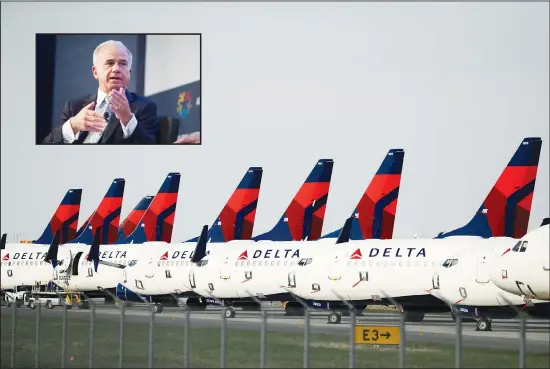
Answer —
116 43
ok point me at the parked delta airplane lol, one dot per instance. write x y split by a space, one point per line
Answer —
466 278
524 270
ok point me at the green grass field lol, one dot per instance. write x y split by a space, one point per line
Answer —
284 350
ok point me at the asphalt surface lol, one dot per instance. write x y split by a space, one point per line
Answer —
436 328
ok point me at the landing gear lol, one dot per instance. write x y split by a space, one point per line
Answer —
335 318
229 312
157 308
484 324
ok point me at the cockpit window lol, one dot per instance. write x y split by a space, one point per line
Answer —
450 263
202 263
132 263
304 262
523 246
516 247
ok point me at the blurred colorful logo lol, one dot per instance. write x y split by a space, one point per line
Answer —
184 104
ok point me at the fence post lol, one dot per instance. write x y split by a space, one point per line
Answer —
402 329
151 327
223 342
121 337
13 323
263 329
458 348
92 329
64 335
522 330
352 316
38 316
122 306
187 320
306 326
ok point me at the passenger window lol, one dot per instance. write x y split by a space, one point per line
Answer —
236 263
248 263
278 263
272 263
286 262
242 263
260 263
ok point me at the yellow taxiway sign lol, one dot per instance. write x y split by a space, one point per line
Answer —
377 335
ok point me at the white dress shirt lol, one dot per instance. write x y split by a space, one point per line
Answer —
69 136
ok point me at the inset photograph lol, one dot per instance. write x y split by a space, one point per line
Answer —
118 89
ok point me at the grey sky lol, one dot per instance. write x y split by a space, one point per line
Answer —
456 85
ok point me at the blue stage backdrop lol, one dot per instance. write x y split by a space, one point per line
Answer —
182 102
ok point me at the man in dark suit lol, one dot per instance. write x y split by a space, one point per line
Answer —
112 115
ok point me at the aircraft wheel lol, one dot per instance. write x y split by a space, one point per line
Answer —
229 312
32 304
335 318
49 304
483 324
157 309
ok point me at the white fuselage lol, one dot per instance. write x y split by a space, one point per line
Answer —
247 268
464 278
375 269
524 270
24 265
163 269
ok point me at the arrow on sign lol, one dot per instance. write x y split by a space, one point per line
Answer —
387 335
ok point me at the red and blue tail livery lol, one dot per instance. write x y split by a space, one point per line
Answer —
106 216
374 216
64 220
506 210
157 222
304 217
132 220
236 220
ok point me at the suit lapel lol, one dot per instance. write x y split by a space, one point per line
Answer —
91 98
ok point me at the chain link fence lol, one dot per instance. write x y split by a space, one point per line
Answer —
115 336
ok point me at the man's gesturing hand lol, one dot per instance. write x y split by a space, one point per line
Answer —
88 120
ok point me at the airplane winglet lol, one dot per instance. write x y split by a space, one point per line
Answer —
200 249
52 250
93 255
3 241
545 221
345 232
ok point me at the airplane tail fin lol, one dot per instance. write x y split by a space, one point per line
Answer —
374 215
106 216
3 241
52 250
506 210
157 222
236 220
305 215
132 220
65 219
